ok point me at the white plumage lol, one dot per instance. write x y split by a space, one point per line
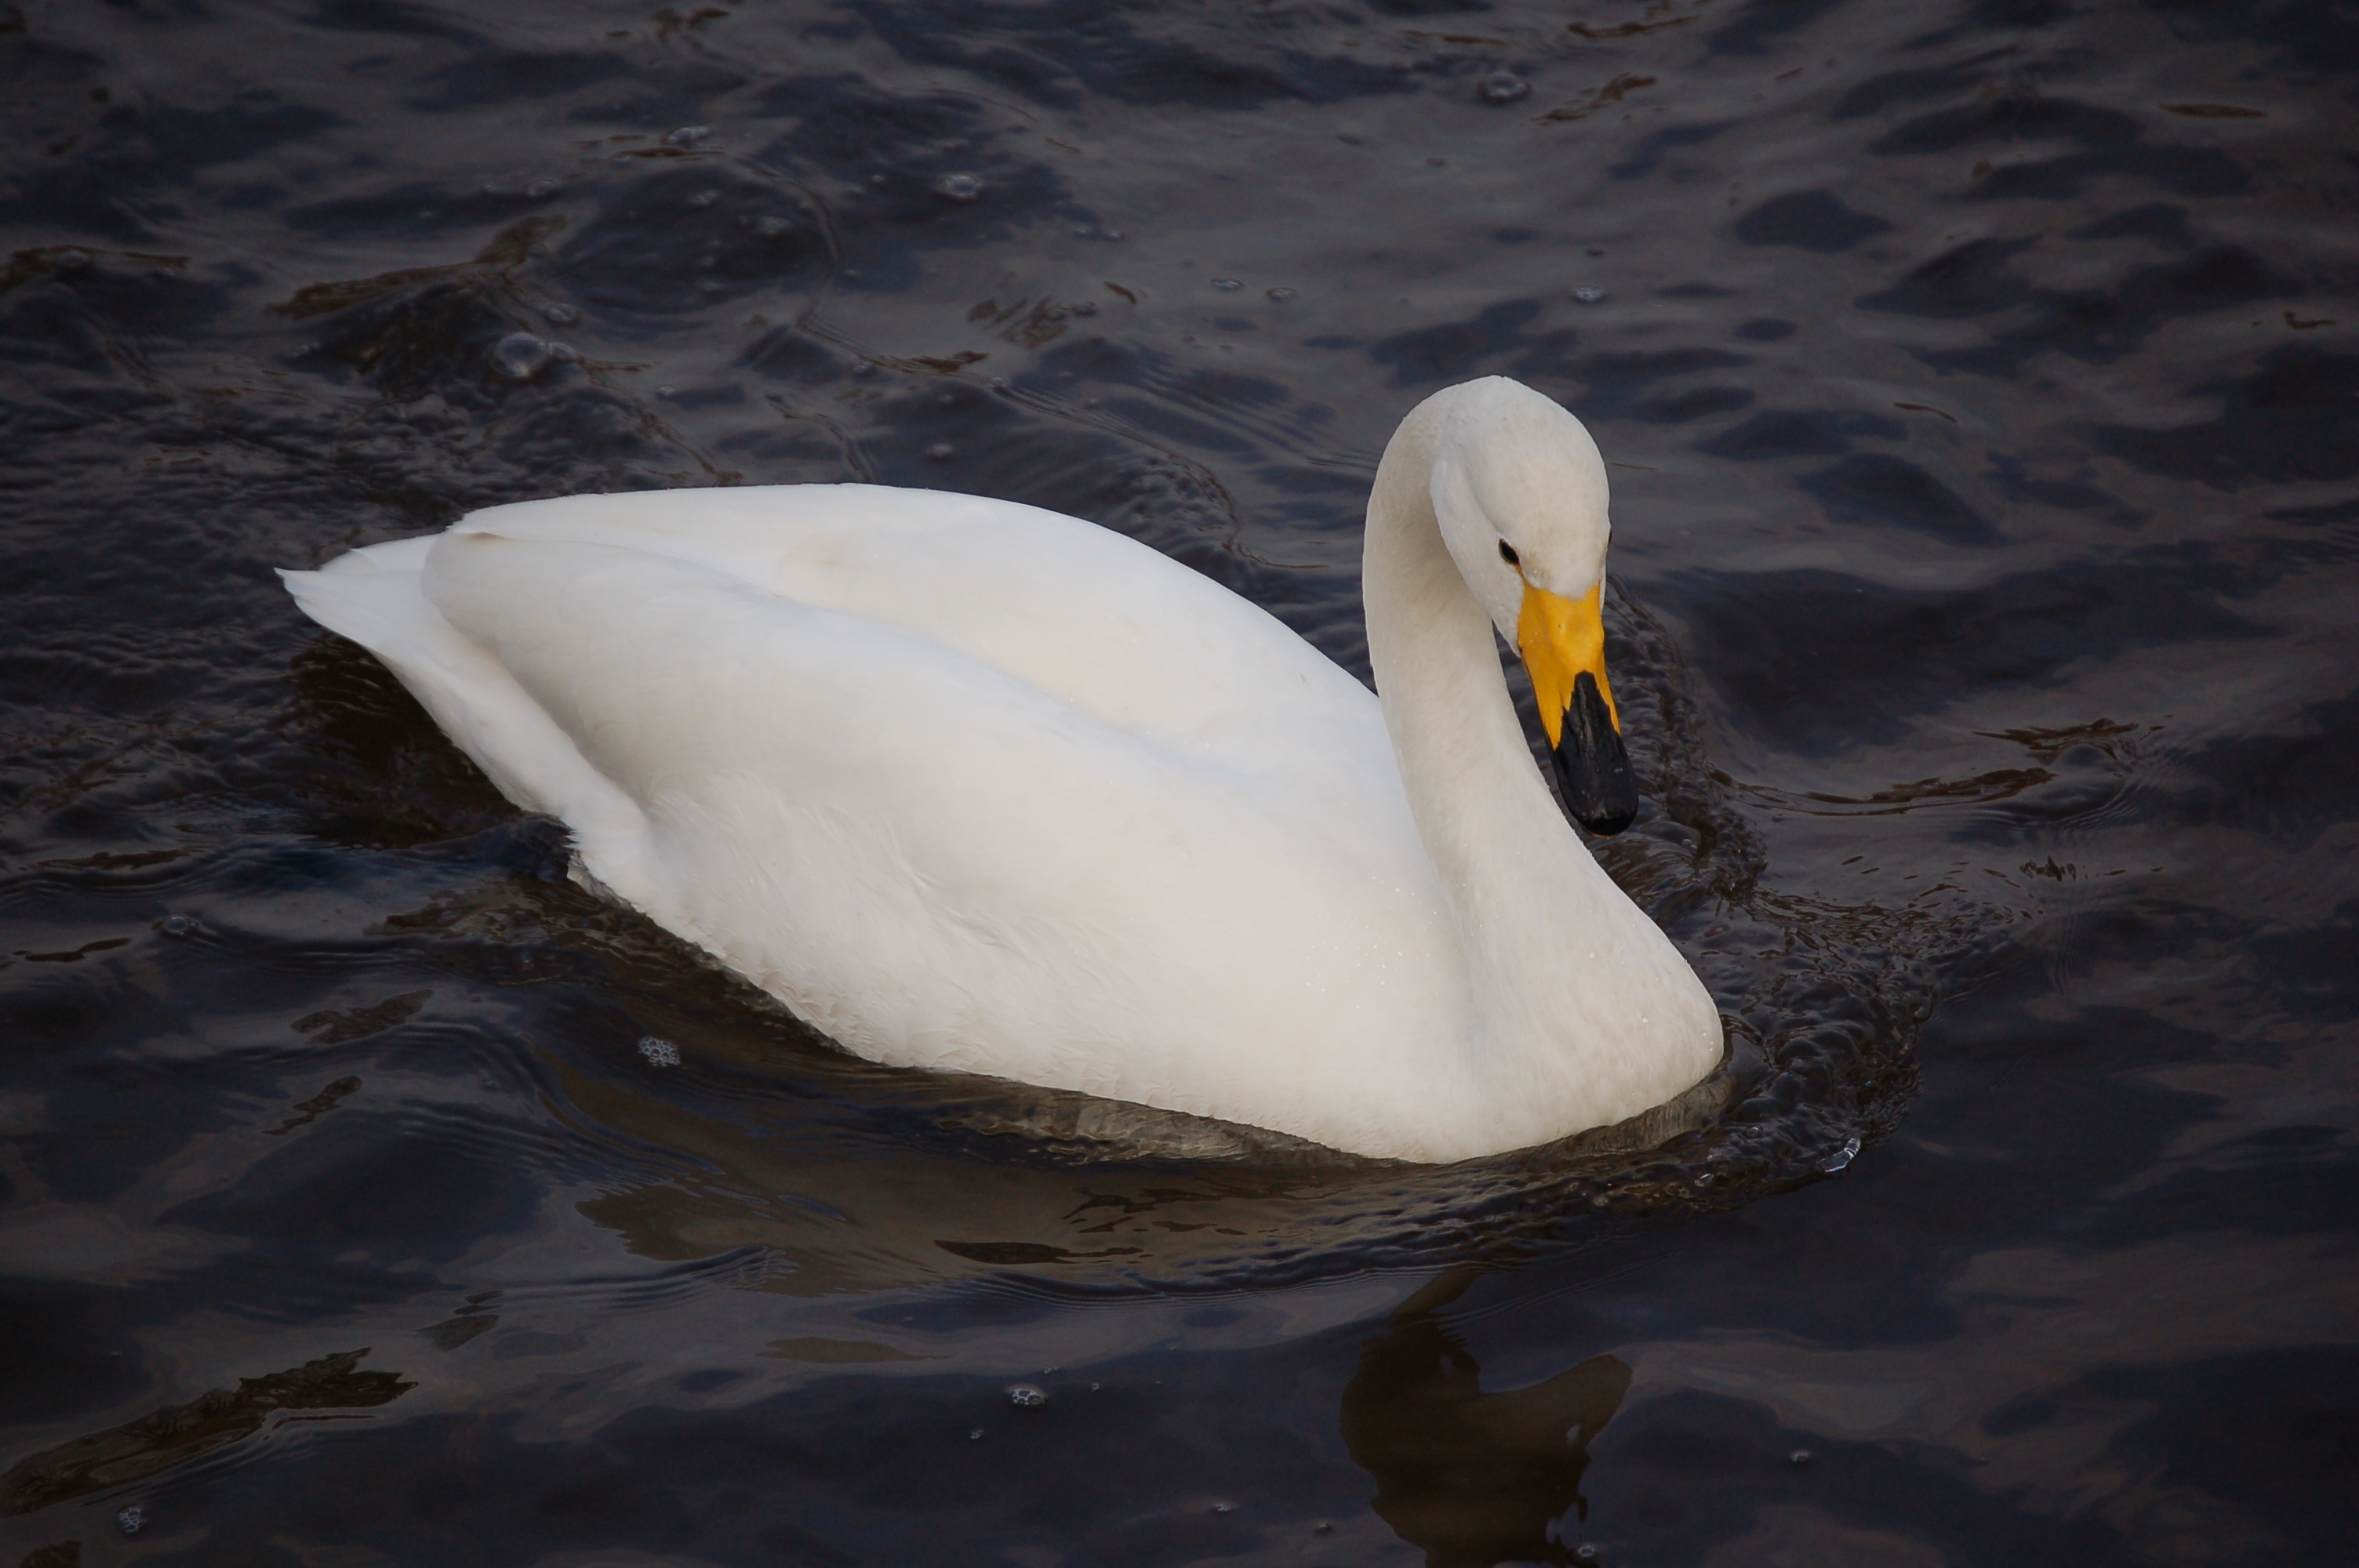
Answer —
973 786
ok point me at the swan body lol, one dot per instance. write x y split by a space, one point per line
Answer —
972 785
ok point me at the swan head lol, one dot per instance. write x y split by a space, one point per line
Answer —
1520 491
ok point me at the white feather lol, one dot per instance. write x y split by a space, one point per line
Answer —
973 786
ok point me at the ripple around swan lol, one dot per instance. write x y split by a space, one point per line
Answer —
1976 378
766 1137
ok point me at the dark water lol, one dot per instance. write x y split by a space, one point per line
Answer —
1981 388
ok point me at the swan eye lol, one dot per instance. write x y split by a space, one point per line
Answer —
1507 553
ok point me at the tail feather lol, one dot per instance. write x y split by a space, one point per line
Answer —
374 597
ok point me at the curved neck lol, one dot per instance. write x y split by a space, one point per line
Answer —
1549 943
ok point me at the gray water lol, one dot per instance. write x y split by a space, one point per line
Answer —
1980 390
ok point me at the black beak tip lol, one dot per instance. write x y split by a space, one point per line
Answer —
1592 768
1608 821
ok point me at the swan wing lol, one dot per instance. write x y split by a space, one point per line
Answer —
963 794
1080 612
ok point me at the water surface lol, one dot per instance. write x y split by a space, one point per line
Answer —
1980 385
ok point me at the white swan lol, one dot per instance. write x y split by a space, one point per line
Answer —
972 785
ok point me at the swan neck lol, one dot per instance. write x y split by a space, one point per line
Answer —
1493 832
1431 648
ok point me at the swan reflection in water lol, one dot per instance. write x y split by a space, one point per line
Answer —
1473 1478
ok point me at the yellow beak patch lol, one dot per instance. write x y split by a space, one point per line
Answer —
1560 639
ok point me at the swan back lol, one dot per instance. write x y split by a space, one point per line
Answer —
1084 615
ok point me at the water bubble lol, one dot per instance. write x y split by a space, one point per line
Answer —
659 1053
1025 1396
1113 235
71 261
1096 1387
1589 296
176 925
562 315
563 354
959 187
688 136
519 356
1505 87
876 179
705 199
666 391
942 452
772 227
1584 1553
1280 295
1844 1157
975 1434
541 189
1083 307
1227 285
131 1519
1224 1507
1324 1526
1799 1456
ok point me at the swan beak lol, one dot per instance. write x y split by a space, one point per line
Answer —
1563 645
